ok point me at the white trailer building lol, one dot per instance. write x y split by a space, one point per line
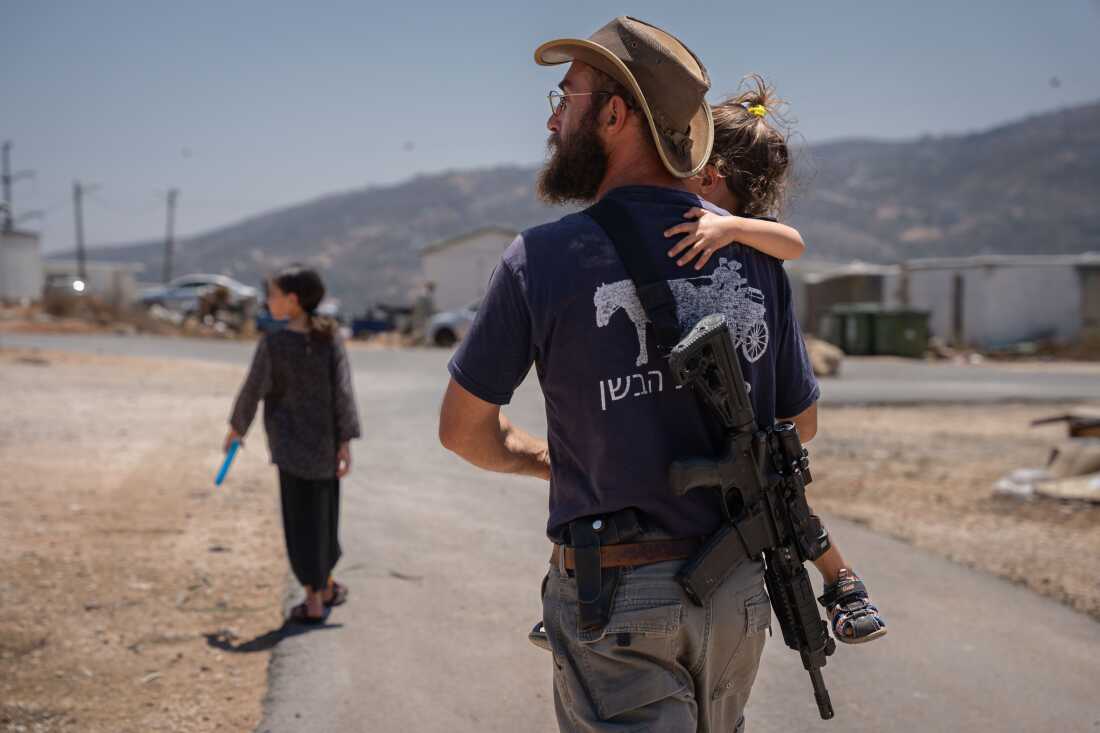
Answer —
993 301
21 273
460 267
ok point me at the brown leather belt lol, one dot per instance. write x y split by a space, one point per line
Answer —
633 553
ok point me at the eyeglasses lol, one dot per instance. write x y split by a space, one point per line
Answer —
557 99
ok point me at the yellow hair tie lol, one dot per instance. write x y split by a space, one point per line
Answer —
758 109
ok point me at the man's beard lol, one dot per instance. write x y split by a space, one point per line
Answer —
576 168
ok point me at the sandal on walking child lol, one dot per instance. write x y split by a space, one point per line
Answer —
339 594
300 615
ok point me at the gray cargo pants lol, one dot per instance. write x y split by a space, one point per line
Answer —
661 663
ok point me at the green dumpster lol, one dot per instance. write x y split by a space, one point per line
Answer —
901 332
851 327
865 329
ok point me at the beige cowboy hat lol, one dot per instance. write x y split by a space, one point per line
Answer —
668 80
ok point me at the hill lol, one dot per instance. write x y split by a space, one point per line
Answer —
1031 186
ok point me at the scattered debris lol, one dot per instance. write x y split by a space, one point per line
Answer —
825 358
1082 488
938 349
1082 424
1020 484
160 313
1073 471
89 314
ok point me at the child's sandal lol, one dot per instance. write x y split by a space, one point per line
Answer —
300 615
855 620
339 595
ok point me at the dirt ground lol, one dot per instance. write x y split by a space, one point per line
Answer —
133 595
925 474
136 597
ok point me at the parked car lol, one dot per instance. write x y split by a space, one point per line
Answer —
379 318
70 285
448 327
182 294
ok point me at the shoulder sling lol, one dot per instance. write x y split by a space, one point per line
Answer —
653 290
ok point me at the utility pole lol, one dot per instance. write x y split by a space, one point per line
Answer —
7 186
7 179
169 237
78 198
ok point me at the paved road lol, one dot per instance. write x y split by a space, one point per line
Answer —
444 563
879 381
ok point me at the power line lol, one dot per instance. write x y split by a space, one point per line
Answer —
115 208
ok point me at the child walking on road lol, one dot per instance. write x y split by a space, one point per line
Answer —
302 375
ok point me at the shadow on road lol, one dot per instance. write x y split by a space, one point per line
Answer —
227 641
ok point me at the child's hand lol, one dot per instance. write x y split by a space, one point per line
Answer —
230 437
702 238
343 460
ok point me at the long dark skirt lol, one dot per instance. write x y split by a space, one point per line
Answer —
311 517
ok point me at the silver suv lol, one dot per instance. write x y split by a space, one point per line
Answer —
447 328
182 294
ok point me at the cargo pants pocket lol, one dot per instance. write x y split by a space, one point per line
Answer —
631 662
740 670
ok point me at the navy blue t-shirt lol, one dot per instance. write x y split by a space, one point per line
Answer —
561 299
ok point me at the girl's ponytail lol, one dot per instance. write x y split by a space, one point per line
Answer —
750 148
324 326
307 285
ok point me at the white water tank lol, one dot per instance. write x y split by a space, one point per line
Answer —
20 266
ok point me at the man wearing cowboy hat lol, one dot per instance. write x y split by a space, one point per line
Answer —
630 650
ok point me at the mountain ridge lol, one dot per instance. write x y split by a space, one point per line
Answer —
1026 186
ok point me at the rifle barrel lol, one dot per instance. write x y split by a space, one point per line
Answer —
821 695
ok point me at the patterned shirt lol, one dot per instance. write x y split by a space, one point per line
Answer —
309 406
561 299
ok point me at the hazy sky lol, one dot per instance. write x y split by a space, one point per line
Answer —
245 106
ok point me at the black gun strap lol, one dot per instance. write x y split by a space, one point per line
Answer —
653 290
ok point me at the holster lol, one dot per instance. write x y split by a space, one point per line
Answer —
596 585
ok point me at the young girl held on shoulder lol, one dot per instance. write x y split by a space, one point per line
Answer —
746 175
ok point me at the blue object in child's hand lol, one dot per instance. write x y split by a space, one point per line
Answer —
229 456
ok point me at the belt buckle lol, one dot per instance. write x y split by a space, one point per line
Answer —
561 561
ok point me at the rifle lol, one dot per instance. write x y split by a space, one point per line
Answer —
761 476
